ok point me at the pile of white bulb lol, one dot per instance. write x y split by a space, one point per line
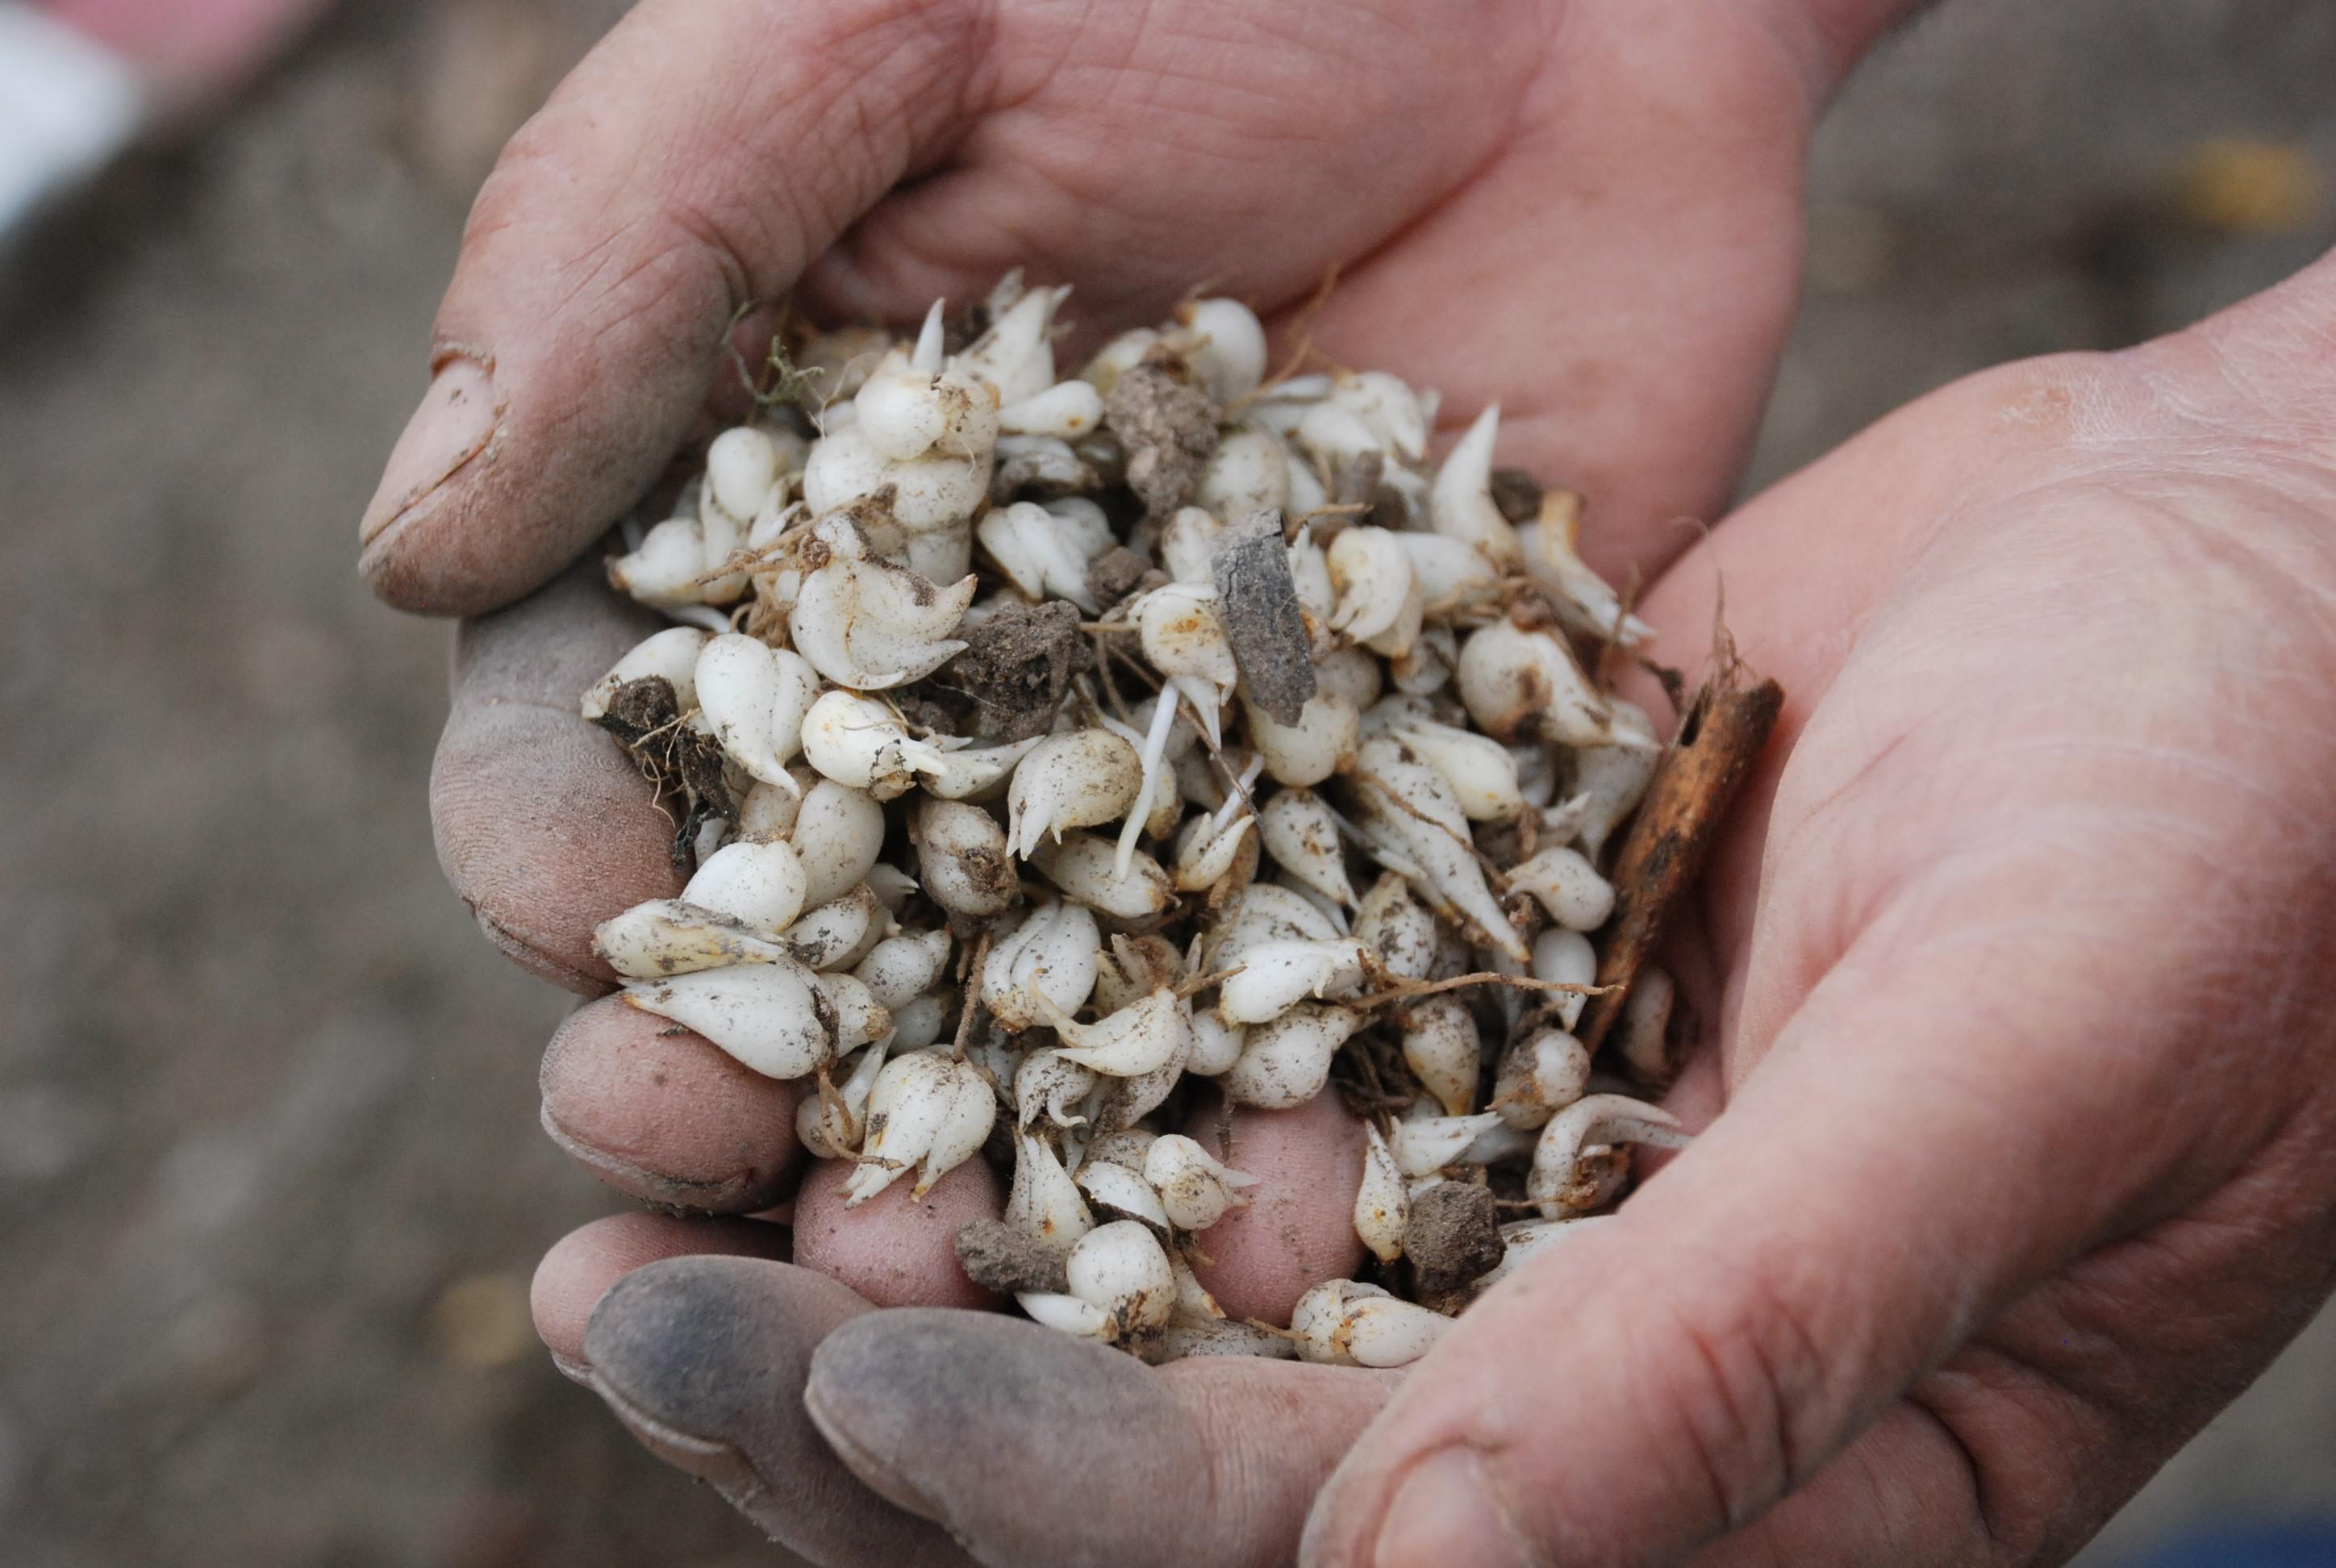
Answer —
1190 866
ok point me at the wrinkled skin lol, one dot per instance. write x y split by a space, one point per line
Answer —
2020 1160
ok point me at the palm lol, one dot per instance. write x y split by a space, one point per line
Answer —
2085 823
1563 236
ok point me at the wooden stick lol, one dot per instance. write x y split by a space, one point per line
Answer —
1721 735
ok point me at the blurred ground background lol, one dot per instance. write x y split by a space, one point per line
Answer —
270 1182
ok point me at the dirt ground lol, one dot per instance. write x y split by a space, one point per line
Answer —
270 1182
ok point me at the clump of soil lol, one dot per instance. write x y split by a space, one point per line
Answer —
1167 426
998 1257
1114 574
1452 1235
1017 667
685 764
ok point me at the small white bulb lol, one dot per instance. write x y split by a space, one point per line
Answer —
1120 355
837 834
1224 343
764 1014
1285 1062
1067 411
1044 1203
1341 1323
1140 1039
1298 828
1116 1188
1442 1048
1461 504
1410 808
1044 966
1274 977
857 741
1122 1268
1070 781
1188 544
1015 358
1568 886
755 697
665 571
1388 408
1380 603
869 624
962 859
1425 1143
1044 550
1195 1187
668 937
1249 473
1381 1205
839 933
1318 744
1542 1072
1480 770
1565 958
1644 1028
899 969
1557 1180
743 468
1207 847
759 884
850 1011
1400 934
1216 1045
1049 1084
1516 682
1085 868
1610 780
1584 600
828 1123
923 1105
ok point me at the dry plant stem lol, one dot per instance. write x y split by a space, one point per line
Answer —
1721 735
972 987
1399 988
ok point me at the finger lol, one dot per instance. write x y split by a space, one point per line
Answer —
543 825
1850 1217
894 1249
1297 1228
704 1360
693 162
582 1265
663 1115
1207 1461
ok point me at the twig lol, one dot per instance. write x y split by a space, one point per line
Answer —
1720 736
1398 987
969 983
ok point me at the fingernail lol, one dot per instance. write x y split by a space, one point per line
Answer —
1446 1512
456 419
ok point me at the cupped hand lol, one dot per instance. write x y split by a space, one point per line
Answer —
1585 208
2019 1080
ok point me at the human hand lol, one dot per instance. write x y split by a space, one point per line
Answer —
1588 211
1559 206
2022 1159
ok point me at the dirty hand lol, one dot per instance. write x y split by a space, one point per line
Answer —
2020 1084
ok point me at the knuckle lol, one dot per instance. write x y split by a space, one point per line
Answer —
1737 1380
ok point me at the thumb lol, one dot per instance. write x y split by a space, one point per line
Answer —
1900 1165
696 159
